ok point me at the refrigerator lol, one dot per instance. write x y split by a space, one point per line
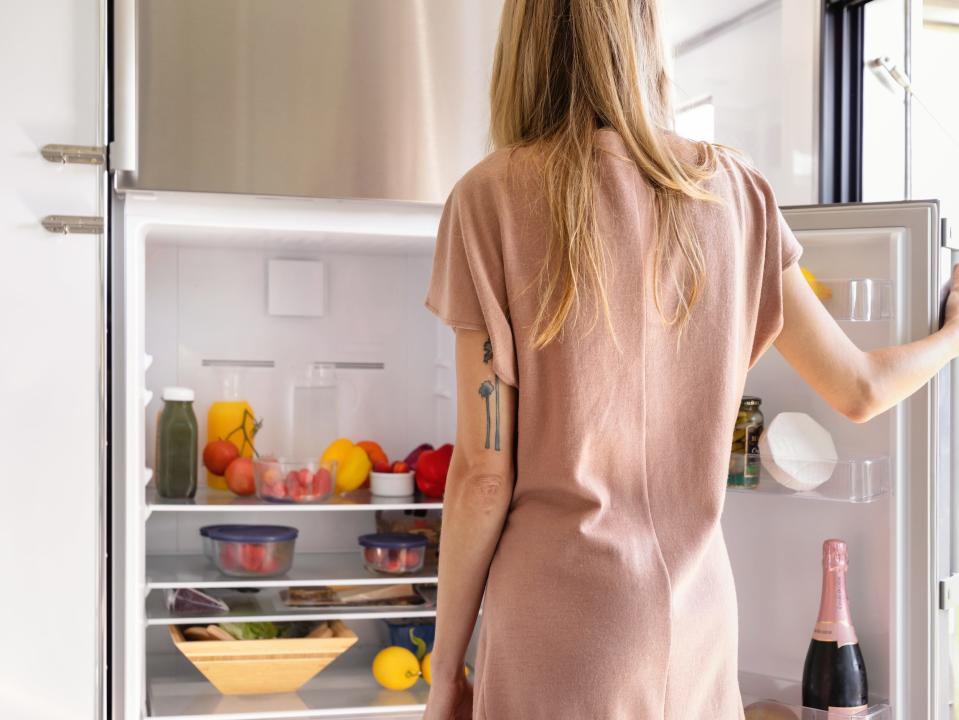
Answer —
196 146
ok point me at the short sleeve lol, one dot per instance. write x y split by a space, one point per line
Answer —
468 286
778 250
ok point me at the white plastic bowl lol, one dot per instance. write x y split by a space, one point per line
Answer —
392 484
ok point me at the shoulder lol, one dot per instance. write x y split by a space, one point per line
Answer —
475 203
742 176
498 177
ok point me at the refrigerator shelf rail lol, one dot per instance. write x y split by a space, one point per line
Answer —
267 605
860 480
786 696
859 299
218 501
309 570
176 690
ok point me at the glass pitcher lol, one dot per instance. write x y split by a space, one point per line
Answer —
315 410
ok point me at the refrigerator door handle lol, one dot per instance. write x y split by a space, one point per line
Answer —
75 154
73 224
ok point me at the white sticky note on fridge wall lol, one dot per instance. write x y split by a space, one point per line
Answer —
296 288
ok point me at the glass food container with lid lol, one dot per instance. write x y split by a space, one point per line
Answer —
393 553
252 550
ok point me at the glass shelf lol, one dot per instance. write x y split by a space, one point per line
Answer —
784 698
346 688
220 501
859 480
267 604
309 569
858 299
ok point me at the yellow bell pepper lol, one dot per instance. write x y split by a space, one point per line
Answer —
353 465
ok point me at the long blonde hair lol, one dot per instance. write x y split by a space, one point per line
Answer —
562 69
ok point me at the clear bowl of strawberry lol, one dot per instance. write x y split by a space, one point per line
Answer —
252 550
393 553
294 481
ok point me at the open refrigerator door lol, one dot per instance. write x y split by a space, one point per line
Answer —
882 271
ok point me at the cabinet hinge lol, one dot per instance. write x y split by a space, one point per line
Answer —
73 224
949 592
77 154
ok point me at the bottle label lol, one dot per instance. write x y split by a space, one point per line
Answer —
846 711
839 632
753 433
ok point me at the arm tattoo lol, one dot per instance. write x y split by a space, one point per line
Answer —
486 389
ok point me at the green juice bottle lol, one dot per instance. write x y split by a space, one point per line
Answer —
176 451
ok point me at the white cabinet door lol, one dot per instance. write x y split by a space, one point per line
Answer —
51 370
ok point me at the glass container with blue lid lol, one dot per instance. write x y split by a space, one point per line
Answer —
251 550
393 553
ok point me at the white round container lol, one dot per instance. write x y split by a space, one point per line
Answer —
392 484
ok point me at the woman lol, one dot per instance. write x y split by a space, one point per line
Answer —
610 283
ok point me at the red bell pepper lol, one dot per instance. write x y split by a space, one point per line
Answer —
431 469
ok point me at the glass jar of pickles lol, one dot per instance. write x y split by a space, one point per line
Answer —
744 457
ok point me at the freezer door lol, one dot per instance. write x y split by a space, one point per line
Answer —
375 99
52 414
906 239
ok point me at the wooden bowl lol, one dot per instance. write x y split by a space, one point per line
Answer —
245 667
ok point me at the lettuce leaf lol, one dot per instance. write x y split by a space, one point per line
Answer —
251 630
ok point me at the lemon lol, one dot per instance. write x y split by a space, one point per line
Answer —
337 450
396 668
425 669
428 673
822 292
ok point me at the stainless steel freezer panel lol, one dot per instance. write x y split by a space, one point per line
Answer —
338 98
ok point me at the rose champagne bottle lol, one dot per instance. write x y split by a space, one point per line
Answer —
834 676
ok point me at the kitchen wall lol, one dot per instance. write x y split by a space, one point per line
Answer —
751 69
936 110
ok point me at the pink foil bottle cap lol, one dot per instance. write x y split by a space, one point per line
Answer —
834 555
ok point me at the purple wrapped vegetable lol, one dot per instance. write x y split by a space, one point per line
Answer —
187 601
415 455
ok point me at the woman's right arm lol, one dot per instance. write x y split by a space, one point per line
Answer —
859 384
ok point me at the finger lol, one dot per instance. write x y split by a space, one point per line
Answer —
955 277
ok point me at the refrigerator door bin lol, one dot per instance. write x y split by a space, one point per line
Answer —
858 299
851 480
786 696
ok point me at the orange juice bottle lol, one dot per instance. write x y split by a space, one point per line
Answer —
230 418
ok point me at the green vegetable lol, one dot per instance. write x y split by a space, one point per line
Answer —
419 643
297 629
251 631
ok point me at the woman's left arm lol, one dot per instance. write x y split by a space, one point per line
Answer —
478 492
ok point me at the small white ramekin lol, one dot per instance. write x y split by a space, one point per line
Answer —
392 484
